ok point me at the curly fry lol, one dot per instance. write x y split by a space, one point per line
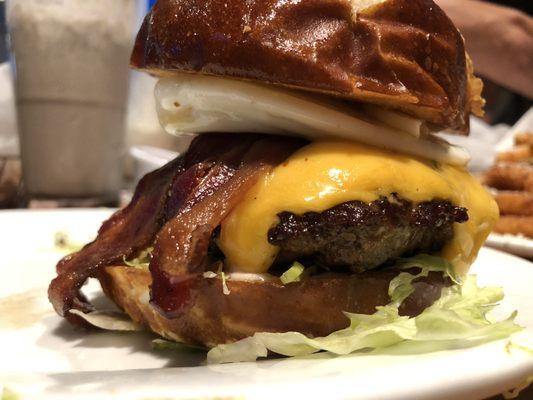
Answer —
515 203
524 138
515 225
522 152
510 176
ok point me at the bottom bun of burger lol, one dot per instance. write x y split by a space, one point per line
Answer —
224 311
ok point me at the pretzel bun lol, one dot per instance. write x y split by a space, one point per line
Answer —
401 54
313 307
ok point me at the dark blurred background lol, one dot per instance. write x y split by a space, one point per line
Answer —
3 32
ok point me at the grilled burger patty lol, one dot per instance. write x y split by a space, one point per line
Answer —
360 236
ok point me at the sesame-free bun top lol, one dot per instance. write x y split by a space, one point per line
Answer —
402 54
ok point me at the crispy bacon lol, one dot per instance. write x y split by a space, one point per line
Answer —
192 193
125 233
180 249
181 246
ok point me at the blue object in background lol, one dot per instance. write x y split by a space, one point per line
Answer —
151 3
3 33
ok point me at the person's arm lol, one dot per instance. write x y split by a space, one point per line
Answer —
499 40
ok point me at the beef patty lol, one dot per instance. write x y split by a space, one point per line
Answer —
360 236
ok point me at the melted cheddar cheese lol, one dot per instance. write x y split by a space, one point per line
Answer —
325 174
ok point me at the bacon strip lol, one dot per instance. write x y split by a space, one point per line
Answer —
133 228
212 161
181 246
180 249
125 233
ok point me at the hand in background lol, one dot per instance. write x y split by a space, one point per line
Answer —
499 40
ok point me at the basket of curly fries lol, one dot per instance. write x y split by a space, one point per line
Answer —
511 178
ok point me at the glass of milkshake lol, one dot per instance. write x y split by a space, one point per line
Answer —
71 63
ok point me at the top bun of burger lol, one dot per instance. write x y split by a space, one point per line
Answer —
401 54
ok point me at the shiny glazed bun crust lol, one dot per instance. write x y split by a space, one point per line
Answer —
403 54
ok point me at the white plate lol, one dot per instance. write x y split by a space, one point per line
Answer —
149 158
518 245
524 124
42 357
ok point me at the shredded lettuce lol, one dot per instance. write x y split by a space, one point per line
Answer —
430 263
521 342
225 288
109 320
293 274
63 243
212 275
142 260
458 319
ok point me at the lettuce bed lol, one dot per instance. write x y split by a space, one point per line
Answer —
458 319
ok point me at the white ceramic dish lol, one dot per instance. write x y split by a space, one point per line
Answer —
148 158
42 357
525 124
514 244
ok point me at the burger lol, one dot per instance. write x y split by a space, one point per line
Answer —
316 208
